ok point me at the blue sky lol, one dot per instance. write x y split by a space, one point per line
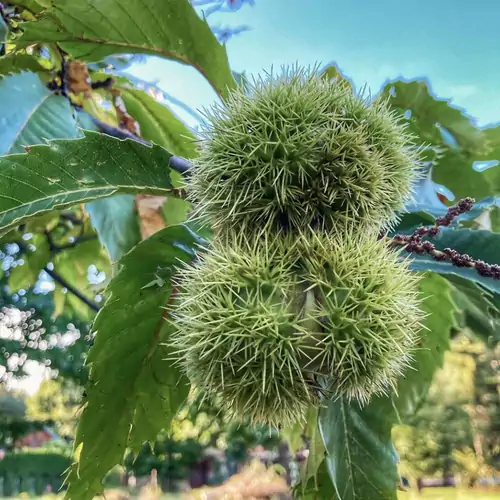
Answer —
453 43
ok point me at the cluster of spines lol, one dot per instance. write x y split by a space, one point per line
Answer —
298 151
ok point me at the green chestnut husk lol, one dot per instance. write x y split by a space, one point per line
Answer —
295 150
272 324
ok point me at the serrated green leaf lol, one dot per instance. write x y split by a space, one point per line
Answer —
158 124
115 221
160 392
455 171
438 303
90 30
317 488
115 218
479 244
479 308
17 63
430 115
127 366
65 172
33 114
360 456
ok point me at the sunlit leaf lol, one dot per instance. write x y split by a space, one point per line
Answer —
17 63
91 30
158 124
441 310
430 118
34 113
133 390
36 256
65 172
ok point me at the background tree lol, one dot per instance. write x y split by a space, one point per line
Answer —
56 401
454 430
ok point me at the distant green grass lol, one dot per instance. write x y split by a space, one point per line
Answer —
450 494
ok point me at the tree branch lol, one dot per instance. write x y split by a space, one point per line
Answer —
180 165
55 248
59 279
71 217
119 133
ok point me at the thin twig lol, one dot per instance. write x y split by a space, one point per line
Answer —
118 133
71 217
55 248
59 279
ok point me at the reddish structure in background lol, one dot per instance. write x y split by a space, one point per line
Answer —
34 439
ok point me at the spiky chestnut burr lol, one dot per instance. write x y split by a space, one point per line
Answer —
297 151
238 334
268 323
368 305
